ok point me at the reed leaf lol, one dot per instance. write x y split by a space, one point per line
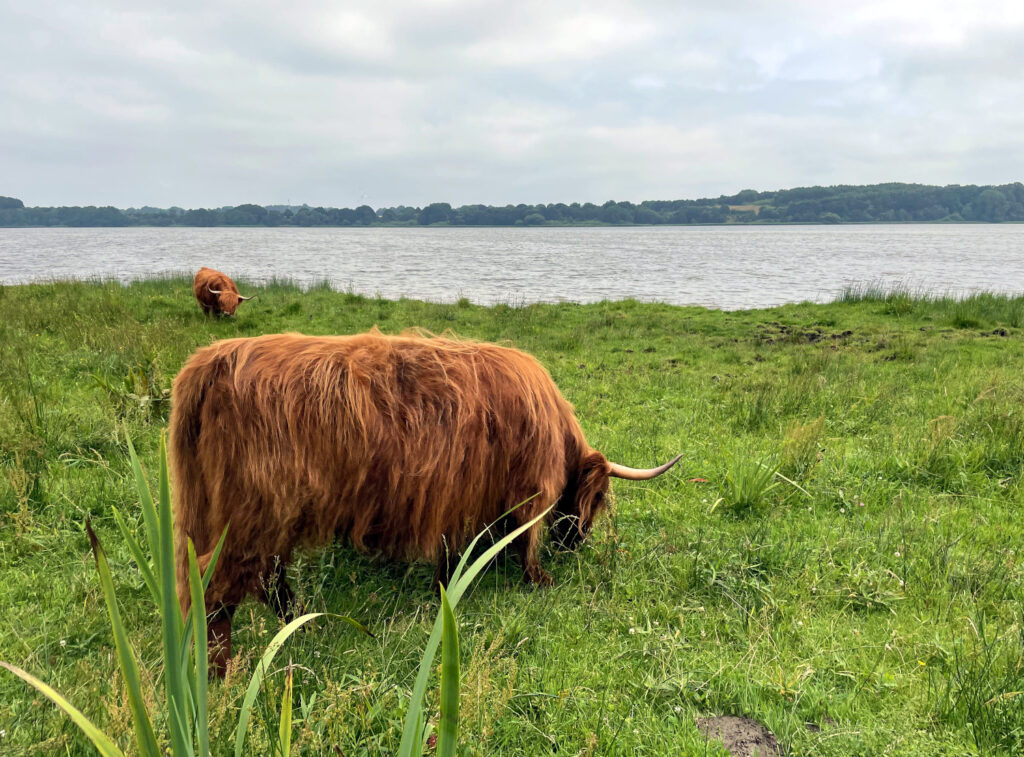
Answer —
285 729
447 736
260 673
201 671
144 735
140 559
412 733
149 515
186 635
178 696
100 740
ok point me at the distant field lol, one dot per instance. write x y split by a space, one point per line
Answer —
837 556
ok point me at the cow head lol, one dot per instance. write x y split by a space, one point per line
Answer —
586 495
227 300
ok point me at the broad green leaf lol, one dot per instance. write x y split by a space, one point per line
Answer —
448 731
140 559
178 716
285 730
149 515
260 673
178 695
412 731
103 743
468 551
201 672
186 636
144 735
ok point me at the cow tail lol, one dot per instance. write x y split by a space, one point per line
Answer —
190 501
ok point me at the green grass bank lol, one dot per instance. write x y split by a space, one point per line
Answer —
837 556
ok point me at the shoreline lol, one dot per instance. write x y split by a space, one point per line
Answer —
867 292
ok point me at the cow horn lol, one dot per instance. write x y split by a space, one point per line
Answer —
243 299
641 474
213 291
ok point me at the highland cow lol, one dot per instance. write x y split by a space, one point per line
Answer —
216 293
405 445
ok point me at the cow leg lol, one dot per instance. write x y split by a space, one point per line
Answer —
218 640
280 596
527 545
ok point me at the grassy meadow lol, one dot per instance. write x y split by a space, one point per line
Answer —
837 555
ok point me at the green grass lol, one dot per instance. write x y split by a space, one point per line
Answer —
879 602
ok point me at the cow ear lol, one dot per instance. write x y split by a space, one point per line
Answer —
592 489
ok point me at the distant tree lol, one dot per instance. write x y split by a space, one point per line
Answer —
365 215
616 212
647 216
535 219
556 212
339 216
437 212
310 217
245 215
991 205
878 203
400 214
200 217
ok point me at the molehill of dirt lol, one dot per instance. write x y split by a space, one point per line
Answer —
742 737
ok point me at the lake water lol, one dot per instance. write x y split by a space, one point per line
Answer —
716 266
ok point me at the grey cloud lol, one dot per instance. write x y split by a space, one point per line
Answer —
387 103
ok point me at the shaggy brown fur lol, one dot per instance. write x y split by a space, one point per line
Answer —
205 286
408 446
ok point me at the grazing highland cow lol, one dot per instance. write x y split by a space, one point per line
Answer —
406 445
216 293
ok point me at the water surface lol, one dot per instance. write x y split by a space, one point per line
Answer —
715 266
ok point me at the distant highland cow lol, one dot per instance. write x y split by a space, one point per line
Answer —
216 293
406 445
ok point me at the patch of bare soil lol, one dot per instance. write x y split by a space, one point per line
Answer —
742 737
773 332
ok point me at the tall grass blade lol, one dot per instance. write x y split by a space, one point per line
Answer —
284 733
140 559
201 671
178 715
794 484
186 635
149 515
457 573
412 732
170 615
459 587
214 558
144 735
260 673
448 732
100 740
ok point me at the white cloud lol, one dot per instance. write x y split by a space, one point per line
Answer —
553 40
195 103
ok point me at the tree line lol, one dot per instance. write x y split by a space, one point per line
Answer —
876 203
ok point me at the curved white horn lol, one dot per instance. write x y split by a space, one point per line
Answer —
641 474
213 291
243 299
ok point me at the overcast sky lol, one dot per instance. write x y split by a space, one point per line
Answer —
210 103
